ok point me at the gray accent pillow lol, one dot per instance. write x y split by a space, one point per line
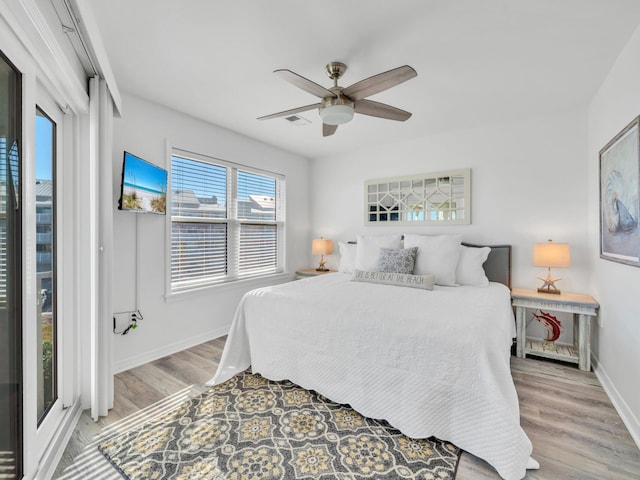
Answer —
397 260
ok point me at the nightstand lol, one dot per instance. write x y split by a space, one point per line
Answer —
583 308
311 272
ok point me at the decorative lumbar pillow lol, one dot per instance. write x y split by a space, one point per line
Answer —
398 279
347 257
469 270
368 249
400 260
437 255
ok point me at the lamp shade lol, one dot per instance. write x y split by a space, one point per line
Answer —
336 114
321 246
551 255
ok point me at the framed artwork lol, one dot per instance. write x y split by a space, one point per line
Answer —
619 203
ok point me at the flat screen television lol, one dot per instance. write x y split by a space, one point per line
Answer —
144 186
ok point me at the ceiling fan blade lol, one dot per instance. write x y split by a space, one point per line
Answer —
381 110
304 83
328 129
378 83
290 112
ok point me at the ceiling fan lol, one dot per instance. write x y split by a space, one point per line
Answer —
338 104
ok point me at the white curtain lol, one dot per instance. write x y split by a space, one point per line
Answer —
101 177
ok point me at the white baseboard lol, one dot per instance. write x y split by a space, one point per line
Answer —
628 418
54 451
150 356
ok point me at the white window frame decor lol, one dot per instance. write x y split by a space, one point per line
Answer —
442 198
242 224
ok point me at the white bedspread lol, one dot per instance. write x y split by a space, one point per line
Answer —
431 363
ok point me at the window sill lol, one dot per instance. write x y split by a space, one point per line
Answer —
245 283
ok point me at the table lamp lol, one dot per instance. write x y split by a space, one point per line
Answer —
551 255
322 246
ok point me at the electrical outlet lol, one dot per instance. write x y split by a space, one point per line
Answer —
122 321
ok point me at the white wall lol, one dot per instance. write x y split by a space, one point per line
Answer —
616 340
175 324
529 183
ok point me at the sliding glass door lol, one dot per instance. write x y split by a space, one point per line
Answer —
10 273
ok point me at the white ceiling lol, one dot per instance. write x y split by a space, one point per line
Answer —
478 61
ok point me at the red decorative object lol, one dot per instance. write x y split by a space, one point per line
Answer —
551 323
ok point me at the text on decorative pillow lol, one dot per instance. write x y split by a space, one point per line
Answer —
397 279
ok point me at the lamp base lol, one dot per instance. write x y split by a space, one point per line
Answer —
549 290
321 265
549 284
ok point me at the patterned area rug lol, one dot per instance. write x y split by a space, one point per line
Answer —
250 428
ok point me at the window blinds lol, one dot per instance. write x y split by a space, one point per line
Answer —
198 252
258 248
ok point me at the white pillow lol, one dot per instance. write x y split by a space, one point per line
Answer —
368 249
437 255
470 271
347 257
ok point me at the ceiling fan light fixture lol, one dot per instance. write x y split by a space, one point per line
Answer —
336 114
338 105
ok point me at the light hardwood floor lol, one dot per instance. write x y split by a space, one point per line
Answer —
575 431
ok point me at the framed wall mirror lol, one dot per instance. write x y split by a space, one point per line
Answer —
435 198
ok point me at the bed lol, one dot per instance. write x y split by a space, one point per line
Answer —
431 363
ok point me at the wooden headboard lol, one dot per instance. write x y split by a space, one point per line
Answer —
498 264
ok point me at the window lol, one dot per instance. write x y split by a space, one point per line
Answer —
227 222
47 319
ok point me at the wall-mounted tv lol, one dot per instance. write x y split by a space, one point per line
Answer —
144 186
